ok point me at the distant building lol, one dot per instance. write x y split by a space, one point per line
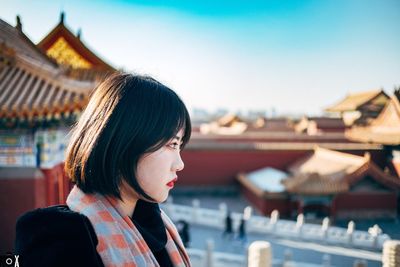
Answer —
37 102
385 130
233 124
360 108
263 124
237 125
325 183
229 124
215 160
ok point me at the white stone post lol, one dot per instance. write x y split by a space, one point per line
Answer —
247 212
325 227
209 253
259 254
195 211
391 253
223 208
350 231
375 231
299 224
274 220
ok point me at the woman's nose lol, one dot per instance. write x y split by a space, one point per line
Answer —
178 165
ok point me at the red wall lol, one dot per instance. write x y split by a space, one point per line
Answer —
35 189
366 200
375 204
18 195
221 167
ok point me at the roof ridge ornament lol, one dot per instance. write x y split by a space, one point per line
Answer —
62 17
397 92
19 23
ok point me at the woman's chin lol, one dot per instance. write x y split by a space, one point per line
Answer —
157 199
162 199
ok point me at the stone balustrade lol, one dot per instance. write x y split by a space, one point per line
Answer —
273 226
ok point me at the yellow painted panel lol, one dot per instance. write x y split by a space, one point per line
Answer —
64 54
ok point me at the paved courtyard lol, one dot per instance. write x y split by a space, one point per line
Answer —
299 251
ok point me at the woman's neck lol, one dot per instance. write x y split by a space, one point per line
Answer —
129 199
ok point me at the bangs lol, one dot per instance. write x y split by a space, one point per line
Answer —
171 118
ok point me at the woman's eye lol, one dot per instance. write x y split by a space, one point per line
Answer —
174 145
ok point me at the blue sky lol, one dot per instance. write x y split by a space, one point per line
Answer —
293 56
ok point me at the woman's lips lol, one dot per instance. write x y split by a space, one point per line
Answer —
172 182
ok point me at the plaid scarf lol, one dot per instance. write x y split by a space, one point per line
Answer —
120 242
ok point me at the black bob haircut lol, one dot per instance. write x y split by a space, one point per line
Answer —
127 116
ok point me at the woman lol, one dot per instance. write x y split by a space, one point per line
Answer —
123 156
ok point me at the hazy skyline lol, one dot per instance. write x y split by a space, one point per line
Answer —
294 56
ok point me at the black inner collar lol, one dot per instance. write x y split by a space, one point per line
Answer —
147 219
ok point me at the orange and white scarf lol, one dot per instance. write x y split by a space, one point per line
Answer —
120 242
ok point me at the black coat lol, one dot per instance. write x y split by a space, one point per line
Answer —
56 236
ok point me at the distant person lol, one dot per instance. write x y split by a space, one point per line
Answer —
241 235
183 230
123 156
228 231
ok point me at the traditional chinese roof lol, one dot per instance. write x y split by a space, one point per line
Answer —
272 125
373 99
385 129
69 50
314 184
33 89
229 124
228 120
17 42
326 172
324 124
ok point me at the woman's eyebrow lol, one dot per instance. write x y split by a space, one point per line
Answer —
178 138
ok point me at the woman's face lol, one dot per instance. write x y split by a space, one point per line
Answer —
157 171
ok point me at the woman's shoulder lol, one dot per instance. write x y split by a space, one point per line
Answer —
57 212
55 220
55 235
